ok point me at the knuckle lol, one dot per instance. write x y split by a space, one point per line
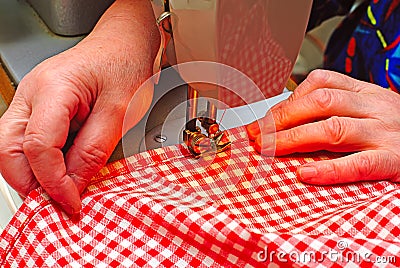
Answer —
334 174
280 116
25 82
318 76
44 74
293 137
93 156
333 128
33 144
323 98
364 166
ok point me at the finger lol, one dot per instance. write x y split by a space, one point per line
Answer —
14 166
336 134
317 79
328 79
320 104
92 147
253 130
103 129
45 135
362 166
266 124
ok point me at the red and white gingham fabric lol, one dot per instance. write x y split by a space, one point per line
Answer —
249 46
164 208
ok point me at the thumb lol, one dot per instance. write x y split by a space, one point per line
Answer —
92 147
103 129
362 166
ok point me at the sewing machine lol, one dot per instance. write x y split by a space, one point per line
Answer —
250 47
244 52
230 53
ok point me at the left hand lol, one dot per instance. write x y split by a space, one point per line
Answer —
89 95
333 112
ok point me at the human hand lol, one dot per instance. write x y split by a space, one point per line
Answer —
330 111
84 91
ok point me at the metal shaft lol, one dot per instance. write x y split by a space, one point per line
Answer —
191 112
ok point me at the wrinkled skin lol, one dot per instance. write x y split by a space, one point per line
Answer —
84 91
330 111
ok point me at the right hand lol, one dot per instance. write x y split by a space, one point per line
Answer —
84 91
334 112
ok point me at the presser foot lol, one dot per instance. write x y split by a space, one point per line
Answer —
199 143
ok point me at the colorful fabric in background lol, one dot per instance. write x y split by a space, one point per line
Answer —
366 45
164 208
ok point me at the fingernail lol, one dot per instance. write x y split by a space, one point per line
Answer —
75 217
307 173
265 145
253 126
68 209
71 209
74 212
268 142
252 130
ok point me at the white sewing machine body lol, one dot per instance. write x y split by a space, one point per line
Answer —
230 52
260 38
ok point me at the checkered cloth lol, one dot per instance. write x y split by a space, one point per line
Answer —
164 208
254 64
249 46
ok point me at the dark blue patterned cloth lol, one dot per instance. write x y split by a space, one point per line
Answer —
366 45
